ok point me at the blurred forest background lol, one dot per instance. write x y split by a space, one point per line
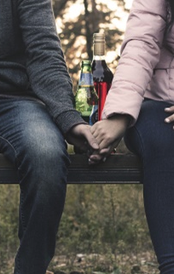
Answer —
103 227
78 20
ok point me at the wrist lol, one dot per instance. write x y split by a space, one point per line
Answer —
125 118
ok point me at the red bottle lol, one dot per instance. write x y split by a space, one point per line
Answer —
102 75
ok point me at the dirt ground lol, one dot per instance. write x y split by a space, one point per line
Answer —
142 263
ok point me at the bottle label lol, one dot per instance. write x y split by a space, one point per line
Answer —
102 91
86 78
94 115
82 99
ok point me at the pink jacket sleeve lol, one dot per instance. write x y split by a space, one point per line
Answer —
140 53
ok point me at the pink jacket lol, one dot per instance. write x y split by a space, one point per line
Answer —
146 66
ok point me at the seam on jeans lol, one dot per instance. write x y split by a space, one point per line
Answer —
15 152
18 262
142 147
18 265
16 162
23 228
22 215
4 139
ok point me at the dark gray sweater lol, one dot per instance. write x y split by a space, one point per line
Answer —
31 59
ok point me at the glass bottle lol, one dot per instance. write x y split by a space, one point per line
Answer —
102 75
86 97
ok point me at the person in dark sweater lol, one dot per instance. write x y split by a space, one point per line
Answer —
36 116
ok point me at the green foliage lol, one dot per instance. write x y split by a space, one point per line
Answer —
103 218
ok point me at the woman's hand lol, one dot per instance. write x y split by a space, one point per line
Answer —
108 134
170 118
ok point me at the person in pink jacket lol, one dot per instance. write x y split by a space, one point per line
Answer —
140 107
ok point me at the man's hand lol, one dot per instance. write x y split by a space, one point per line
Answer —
81 137
108 134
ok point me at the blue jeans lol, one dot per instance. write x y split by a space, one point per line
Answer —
153 140
31 140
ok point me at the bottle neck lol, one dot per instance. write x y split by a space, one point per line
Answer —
99 49
86 69
98 57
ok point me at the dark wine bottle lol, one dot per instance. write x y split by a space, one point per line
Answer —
102 75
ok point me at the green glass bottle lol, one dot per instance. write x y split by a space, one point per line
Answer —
86 97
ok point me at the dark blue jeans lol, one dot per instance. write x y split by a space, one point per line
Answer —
30 139
153 140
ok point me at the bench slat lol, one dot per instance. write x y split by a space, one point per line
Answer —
119 168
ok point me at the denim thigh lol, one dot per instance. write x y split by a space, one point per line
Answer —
153 140
27 130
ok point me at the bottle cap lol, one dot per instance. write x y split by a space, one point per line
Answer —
99 43
99 37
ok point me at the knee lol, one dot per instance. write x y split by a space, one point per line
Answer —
45 152
151 136
151 143
155 135
43 173
44 155
159 141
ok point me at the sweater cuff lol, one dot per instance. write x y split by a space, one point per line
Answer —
66 120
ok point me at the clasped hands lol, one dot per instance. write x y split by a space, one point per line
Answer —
108 134
100 139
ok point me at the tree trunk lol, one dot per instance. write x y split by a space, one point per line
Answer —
88 32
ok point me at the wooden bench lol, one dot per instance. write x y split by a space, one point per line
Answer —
119 168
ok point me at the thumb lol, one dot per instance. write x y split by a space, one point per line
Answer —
91 140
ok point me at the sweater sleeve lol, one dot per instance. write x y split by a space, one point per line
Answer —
140 53
46 66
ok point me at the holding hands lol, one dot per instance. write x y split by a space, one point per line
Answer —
108 134
81 137
100 139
